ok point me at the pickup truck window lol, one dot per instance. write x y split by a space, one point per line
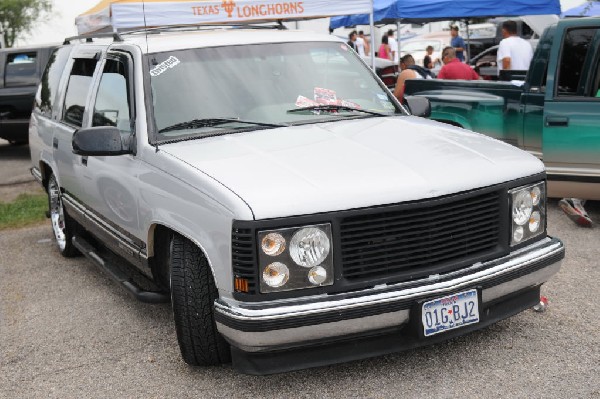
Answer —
21 69
78 88
572 60
112 104
260 83
46 94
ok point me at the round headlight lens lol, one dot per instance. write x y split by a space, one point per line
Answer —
518 234
522 207
536 195
317 275
309 247
534 221
273 244
276 274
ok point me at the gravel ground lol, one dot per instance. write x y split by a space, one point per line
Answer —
15 177
67 331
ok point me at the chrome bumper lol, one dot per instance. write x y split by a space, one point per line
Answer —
255 327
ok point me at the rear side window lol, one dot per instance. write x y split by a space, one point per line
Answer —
20 69
46 94
572 60
80 82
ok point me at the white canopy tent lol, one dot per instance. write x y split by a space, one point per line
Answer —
115 15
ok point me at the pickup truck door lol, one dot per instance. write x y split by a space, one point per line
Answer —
571 132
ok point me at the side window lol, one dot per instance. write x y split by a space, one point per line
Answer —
78 88
112 102
46 94
20 69
572 60
527 32
595 89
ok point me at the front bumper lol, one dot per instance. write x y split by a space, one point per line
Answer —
304 322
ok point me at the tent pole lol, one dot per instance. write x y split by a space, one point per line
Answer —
398 28
468 49
372 27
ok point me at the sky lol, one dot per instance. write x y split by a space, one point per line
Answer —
62 22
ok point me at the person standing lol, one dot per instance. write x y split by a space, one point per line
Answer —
427 61
367 44
352 40
453 68
384 49
514 52
393 46
458 43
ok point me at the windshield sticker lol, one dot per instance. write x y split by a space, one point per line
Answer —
164 66
304 102
325 96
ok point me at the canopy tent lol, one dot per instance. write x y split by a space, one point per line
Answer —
131 14
587 9
390 11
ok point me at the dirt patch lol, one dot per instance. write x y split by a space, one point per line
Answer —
10 192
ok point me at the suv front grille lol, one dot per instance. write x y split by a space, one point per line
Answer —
419 240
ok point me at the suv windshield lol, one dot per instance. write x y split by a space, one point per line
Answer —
261 86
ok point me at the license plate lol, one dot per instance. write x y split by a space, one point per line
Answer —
450 312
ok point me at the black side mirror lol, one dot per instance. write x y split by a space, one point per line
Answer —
418 106
99 141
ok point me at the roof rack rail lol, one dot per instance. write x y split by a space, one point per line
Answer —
89 37
189 27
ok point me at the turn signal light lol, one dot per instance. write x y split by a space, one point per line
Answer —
241 284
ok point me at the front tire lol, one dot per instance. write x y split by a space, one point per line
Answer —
62 225
193 293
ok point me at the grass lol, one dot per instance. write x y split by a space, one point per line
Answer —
26 210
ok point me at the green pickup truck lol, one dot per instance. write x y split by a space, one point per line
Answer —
554 114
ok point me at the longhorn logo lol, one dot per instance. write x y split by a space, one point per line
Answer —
228 6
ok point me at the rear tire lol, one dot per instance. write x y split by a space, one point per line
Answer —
62 225
193 293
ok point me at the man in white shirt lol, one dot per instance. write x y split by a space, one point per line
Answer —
393 46
360 46
514 53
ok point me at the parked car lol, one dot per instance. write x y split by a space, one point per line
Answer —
20 71
387 70
553 114
439 41
276 192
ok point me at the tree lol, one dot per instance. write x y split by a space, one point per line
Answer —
19 16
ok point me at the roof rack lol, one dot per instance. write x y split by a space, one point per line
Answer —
89 37
189 27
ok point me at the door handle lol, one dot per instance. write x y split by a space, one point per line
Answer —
54 142
84 160
557 121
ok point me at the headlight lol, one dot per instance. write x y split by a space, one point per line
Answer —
528 212
309 247
295 258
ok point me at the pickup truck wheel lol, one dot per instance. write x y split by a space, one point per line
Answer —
193 293
62 226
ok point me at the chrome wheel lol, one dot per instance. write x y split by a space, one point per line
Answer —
57 215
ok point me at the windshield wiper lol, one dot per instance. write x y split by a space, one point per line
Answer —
211 122
333 107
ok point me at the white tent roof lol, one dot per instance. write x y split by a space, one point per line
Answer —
128 14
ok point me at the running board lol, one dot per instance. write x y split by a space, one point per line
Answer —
119 276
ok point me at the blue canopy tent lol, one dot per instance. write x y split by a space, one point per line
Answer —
390 11
587 9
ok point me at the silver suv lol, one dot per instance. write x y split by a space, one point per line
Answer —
270 186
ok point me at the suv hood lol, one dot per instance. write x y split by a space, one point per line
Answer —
352 164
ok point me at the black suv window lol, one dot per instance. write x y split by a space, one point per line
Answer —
572 60
20 69
78 88
44 99
112 103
